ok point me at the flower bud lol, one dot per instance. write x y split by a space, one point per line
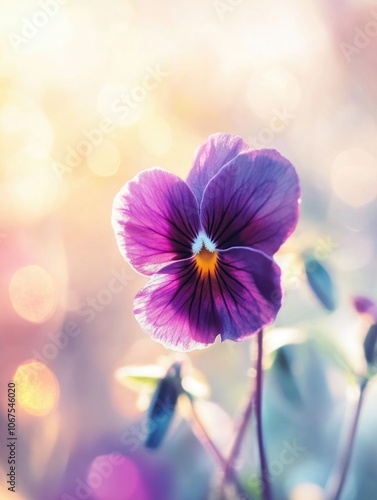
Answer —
370 344
162 407
320 282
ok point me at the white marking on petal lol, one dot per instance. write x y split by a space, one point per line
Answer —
209 244
203 240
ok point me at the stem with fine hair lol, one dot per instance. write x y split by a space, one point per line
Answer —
236 448
212 448
337 481
265 485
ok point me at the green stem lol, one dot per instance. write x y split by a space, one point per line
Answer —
212 448
264 479
236 448
337 481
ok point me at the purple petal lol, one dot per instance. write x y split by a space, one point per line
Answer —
155 219
252 202
185 310
216 152
250 292
176 308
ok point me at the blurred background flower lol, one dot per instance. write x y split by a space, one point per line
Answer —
91 94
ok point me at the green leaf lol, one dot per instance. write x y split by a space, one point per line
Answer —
140 377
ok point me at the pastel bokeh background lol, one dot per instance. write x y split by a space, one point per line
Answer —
91 94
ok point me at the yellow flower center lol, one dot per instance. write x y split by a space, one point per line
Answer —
206 261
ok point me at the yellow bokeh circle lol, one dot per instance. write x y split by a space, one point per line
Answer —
37 389
32 293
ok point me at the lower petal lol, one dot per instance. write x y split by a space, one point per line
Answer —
185 309
248 292
176 308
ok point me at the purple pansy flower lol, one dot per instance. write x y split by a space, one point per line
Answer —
207 243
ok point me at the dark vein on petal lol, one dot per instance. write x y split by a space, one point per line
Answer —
165 236
239 230
222 293
166 218
180 288
234 217
229 286
256 302
198 276
213 303
250 218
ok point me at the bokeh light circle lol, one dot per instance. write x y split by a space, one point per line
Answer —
37 389
354 177
23 118
30 190
114 477
32 293
155 135
273 91
105 159
115 103
309 491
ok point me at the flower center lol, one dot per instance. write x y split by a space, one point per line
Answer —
206 261
205 253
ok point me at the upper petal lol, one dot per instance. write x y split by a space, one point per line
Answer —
155 219
184 309
216 152
252 202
